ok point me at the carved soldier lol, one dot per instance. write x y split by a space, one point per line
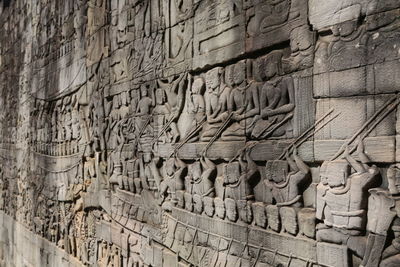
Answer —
216 99
175 92
383 216
133 170
124 109
208 206
306 217
198 204
260 217
76 133
188 199
143 109
231 209
173 181
199 180
239 177
285 184
341 198
145 103
245 210
115 115
219 208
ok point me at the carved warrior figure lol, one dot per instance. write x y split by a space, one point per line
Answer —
175 94
199 180
383 217
173 181
285 184
239 177
341 198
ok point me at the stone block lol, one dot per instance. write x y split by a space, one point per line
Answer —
219 31
331 12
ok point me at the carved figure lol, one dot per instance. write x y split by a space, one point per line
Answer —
341 197
383 217
285 184
196 108
216 98
219 208
243 103
277 105
173 180
231 209
260 218
240 176
175 92
199 180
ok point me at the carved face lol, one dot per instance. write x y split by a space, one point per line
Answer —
160 97
307 222
188 202
239 72
335 173
276 170
116 102
289 220
345 28
212 79
170 166
181 199
198 204
301 39
259 214
143 91
272 64
219 208
273 217
245 211
209 206
393 175
231 212
197 86
195 170
229 75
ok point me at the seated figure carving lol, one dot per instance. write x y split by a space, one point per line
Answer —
243 103
216 99
277 106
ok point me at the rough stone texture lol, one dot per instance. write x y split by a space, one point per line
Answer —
199 133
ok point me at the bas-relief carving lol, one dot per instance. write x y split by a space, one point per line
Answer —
270 22
188 141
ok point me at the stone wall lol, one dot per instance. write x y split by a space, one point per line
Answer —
199 133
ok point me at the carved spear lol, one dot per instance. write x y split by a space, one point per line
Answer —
301 137
365 125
